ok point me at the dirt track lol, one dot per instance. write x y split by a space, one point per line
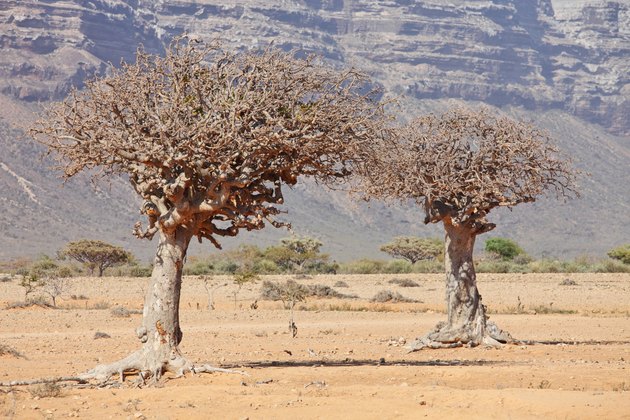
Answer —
347 361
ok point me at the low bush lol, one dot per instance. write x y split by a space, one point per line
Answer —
363 266
389 296
404 282
499 266
621 253
122 312
323 291
398 267
101 305
35 301
428 266
277 291
47 390
8 350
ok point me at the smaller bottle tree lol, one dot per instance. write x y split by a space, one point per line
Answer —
414 249
95 255
457 167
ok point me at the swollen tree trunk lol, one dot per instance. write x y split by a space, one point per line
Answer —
466 322
160 332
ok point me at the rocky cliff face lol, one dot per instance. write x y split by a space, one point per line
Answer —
540 54
569 58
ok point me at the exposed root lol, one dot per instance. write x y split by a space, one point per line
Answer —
443 337
77 379
135 364
210 369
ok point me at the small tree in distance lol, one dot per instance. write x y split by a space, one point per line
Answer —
290 293
458 166
95 255
414 249
240 279
208 137
47 277
295 253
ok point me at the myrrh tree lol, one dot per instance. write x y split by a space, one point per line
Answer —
207 138
458 166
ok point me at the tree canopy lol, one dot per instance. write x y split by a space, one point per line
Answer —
207 136
463 163
459 166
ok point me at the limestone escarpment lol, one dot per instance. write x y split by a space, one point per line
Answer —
568 58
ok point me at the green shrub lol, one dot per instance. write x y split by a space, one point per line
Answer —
428 266
507 249
198 268
499 267
140 271
265 266
621 253
611 266
322 267
398 267
363 266
225 267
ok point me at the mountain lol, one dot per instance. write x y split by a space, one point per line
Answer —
562 64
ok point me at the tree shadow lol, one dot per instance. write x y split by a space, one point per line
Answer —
363 362
574 342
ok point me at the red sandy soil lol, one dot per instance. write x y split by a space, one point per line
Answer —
348 360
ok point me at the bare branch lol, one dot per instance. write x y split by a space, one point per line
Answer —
462 164
210 136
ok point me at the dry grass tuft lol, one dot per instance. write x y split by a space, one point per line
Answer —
47 390
8 350
404 282
122 312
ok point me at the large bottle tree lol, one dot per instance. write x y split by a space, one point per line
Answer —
457 167
208 137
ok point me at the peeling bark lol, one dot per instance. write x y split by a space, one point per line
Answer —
467 322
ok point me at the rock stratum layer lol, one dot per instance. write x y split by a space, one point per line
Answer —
540 54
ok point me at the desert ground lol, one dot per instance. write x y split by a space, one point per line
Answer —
348 359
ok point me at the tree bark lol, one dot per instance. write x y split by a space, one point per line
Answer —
465 312
467 322
160 331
